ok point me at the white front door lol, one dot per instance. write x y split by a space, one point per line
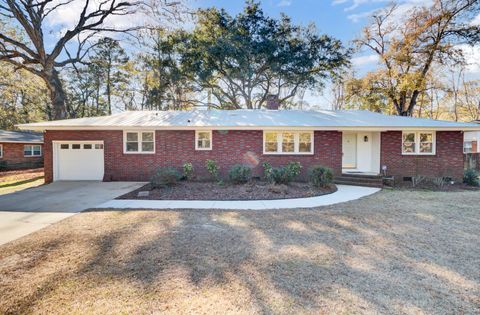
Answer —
349 147
78 160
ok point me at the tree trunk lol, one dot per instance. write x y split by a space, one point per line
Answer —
57 94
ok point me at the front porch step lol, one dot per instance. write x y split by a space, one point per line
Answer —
360 180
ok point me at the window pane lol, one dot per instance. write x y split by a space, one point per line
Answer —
98 146
37 150
132 136
147 136
305 144
76 146
426 137
408 137
271 142
132 146
288 143
27 150
203 144
147 146
203 135
64 146
426 147
87 146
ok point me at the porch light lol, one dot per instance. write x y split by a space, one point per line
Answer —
365 139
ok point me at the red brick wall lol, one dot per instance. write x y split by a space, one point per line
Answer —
13 156
447 162
173 148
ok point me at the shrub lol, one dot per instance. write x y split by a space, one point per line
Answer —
165 176
188 171
267 171
240 174
471 178
3 165
212 168
283 174
320 176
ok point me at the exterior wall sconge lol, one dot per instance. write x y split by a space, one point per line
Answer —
365 139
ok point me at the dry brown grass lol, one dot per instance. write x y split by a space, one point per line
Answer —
394 252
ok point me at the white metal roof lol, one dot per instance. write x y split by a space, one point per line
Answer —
250 119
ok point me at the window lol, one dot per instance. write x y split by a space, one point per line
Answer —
468 147
203 140
64 146
98 146
76 146
138 142
420 142
87 146
287 142
32 150
1 150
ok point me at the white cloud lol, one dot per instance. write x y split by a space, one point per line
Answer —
476 21
284 3
357 17
403 7
361 61
472 57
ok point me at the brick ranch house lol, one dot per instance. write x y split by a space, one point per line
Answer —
129 146
19 150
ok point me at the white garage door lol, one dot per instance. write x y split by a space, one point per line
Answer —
78 160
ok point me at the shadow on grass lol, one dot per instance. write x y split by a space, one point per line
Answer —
364 256
22 182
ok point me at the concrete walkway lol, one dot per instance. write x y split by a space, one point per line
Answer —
343 194
32 209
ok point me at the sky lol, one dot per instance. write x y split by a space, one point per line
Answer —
343 19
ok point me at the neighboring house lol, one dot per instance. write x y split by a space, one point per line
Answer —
471 148
130 145
20 149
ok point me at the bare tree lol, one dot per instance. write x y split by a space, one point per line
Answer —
408 44
29 51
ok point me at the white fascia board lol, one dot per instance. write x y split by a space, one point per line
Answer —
340 128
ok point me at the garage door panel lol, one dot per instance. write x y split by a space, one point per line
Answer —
80 161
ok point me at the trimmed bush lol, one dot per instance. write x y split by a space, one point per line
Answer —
212 168
470 178
165 176
240 174
282 175
320 176
188 171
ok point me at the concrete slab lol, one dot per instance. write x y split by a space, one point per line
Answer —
343 194
32 209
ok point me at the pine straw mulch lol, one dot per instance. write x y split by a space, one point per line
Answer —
20 175
395 252
253 190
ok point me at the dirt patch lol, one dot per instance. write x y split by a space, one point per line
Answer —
255 190
395 252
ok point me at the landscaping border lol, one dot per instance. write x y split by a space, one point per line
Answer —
343 194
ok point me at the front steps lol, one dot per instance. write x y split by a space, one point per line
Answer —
359 180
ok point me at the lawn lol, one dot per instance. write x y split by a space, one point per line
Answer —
11 181
396 252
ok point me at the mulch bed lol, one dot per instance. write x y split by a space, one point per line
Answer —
429 186
255 190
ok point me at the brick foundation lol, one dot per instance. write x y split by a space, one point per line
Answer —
13 157
174 148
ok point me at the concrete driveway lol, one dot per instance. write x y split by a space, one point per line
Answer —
29 210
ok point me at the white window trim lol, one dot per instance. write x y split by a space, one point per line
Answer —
196 140
296 134
139 133
471 146
1 151
417 142
32 156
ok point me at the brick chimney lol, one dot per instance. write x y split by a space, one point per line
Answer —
273 103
